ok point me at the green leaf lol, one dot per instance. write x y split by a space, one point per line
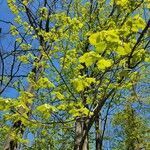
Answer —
82 82
46 110
89 58
100 47
95 38
5 104
59 95
123 50
103 63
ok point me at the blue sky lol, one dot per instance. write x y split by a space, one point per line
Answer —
5 40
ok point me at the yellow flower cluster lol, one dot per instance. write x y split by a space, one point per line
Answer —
49 36
44 82
69 59
5 104
23 59
46 110
77 110
12 6
27 27
26 97
25 2
58 95
13 30
18 19
122 3
43 12
25 46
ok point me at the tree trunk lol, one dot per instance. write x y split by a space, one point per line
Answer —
81 142
98 134
11 143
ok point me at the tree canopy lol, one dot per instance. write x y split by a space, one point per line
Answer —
78 71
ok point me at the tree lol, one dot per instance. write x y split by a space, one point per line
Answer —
77 57
134 130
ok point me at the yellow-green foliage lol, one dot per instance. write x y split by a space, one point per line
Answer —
74 59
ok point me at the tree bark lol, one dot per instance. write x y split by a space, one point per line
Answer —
98 136
80 129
